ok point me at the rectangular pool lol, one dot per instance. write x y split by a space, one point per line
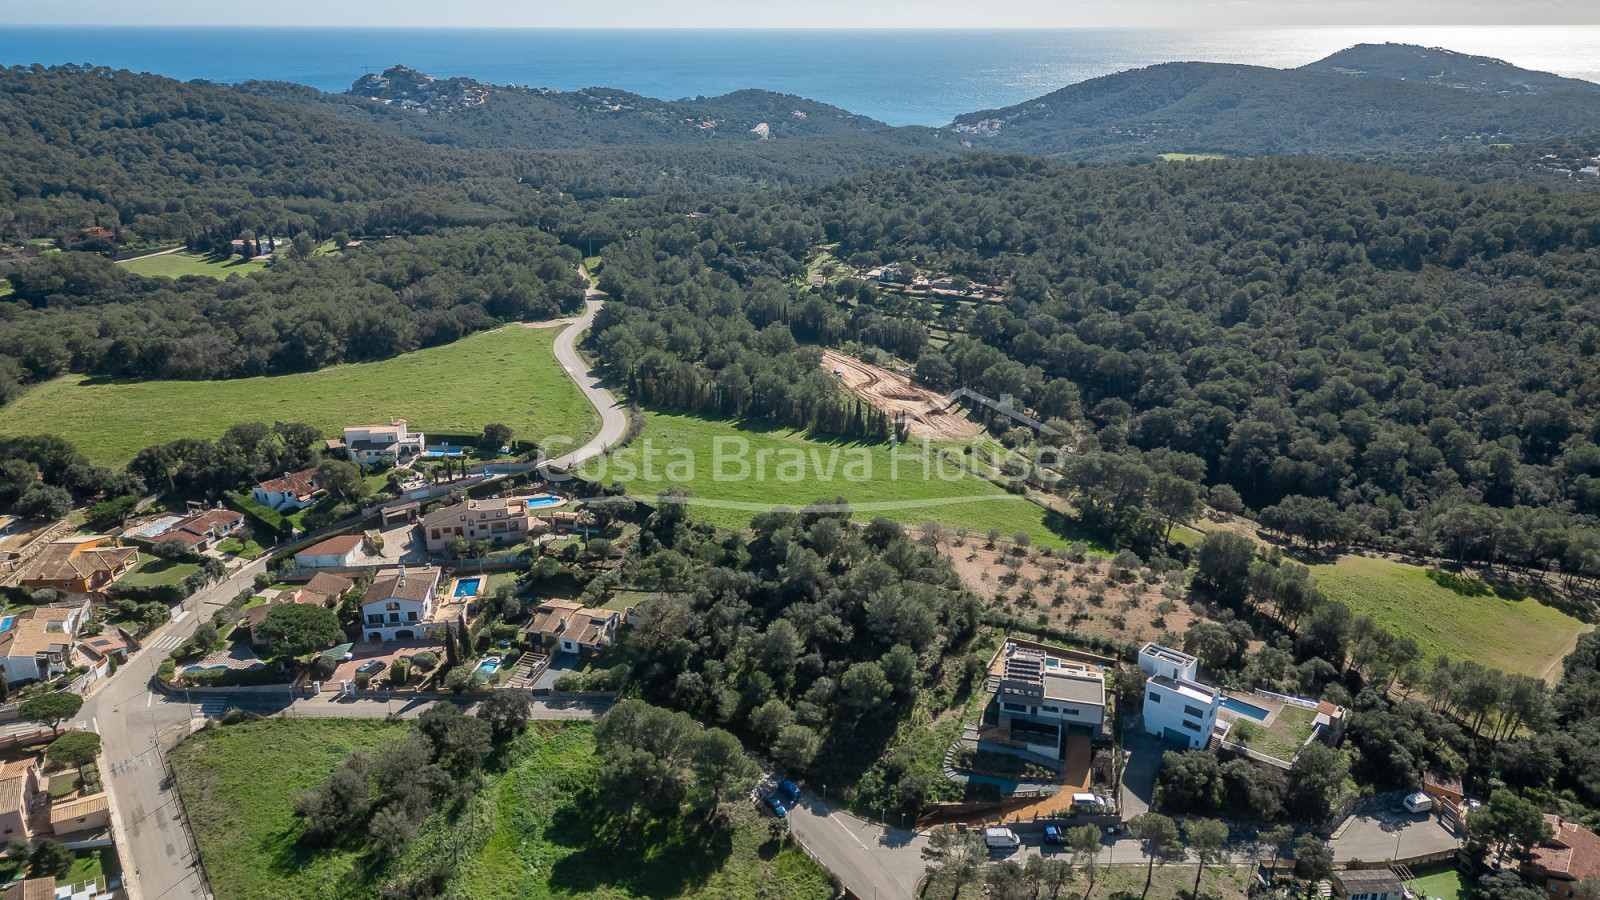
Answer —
1244 709
468 587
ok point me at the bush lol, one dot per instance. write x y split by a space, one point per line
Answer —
363 680
425 660
400 671
167 670
459 680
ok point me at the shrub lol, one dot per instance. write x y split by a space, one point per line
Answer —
400 671
425 660
167 669
459 680
363 680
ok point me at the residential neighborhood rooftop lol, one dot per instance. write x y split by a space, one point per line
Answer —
1573 851
1194 690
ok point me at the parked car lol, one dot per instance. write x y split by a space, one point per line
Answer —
1418 802
789 791
1001 839
1054 835
371 667
778 809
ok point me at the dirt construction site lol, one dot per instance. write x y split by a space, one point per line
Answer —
926 413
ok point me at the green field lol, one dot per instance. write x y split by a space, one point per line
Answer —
550 836
1449 884
758 471
153 571
509 376
238 785
177 265
1513 635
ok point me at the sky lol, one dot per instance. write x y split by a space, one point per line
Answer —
885 14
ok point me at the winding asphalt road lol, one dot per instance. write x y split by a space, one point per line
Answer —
613 418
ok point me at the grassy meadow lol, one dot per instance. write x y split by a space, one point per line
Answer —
548 834
509 376
1473 622
759 470
177 265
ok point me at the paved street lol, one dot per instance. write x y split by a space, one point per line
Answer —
871 860
613 418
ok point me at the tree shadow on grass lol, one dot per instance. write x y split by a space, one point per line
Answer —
655 857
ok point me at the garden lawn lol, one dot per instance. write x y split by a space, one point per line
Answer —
1508 634
91 865
177 265
154 571
509 376
1449 884
740 470
238 784
1285 736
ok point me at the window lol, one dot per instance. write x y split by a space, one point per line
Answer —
1015 707
1194 711
391 605
1154 697
1192 726
411 616
375 619
1050 709
1070 711
394 617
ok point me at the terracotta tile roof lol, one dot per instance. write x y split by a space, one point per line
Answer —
571 620
1574 851
13 780
104 645
419 582
36 634
74 809
300 484
70 560
30 889
328 584
334 546
514 506
255 615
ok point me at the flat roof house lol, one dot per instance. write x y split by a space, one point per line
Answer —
1176 707
368 444
295 490
567 627
496 520
403 604
80 565
1367 884
1045 693
340 552
1571 855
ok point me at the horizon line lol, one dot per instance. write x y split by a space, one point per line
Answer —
806 28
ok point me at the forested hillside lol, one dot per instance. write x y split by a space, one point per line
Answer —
1436 65
1403 360
1252 111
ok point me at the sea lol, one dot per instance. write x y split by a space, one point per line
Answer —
905 77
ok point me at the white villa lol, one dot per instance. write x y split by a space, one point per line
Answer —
368 444
1045 694
1176 706
403 604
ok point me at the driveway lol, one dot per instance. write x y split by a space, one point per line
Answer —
613 418
1379 833
1139 773
385 652
560 664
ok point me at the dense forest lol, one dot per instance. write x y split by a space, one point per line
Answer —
1193 107
1369 355
78 312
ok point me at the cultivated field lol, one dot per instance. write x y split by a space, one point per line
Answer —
508 376
753 478
550 835
177 265
1504 633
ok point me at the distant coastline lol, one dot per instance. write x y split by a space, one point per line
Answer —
902 78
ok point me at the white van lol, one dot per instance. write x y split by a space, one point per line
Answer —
1001 839
1418 802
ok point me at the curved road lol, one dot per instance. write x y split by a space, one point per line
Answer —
613 418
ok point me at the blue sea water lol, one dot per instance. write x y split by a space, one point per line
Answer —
903 77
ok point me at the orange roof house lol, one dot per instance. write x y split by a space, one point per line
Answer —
81 565
1571 855
565 626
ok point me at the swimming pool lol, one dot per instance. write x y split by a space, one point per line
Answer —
1244 709
489 666
544 500
5 623
468 587
438 453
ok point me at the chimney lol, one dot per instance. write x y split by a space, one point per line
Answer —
402 577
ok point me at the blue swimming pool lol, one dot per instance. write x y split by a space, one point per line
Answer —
439 453
535 502
468 587
1244 709
489 666
5 623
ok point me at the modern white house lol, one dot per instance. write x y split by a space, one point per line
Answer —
368 444
295 490
1045 694
36 644
403 604
1176 706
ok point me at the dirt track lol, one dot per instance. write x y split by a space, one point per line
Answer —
925 412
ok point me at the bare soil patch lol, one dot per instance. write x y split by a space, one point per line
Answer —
1083 596
927 413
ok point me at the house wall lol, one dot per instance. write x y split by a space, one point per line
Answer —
413 621
323 561
1173 716
14 824
92 822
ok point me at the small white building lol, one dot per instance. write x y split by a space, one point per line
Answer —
295 490
403 605
342 552
1176 706
36 644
